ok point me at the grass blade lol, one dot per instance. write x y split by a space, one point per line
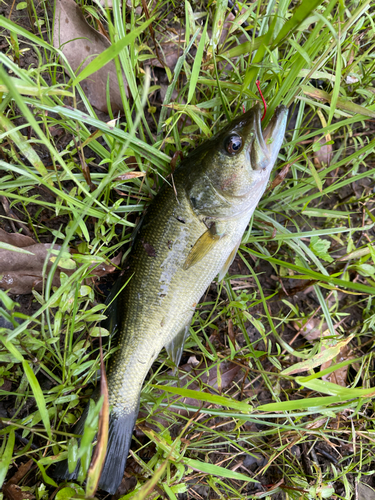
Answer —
6 457
197 64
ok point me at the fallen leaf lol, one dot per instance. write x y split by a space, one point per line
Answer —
365 492
22 470
280 176
130 175
315 329
227 371
171 46
338 376
104 269
16 239
322 155
20 273
80 43
14 492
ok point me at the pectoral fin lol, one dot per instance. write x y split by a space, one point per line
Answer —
229 261
203 246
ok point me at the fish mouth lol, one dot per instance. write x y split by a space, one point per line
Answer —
267 143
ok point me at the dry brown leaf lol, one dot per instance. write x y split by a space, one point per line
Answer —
20 273
14 492
323 156
314 330
11 489
16 239
228 371
104 269
280 176
130 175
80 44
12 261
365 492
170 47
338 376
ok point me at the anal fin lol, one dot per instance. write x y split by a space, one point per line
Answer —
175 347
229 261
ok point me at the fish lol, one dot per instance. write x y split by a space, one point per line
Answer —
190 234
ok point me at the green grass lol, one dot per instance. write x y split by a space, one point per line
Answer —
316 225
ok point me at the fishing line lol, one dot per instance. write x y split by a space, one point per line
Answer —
263 99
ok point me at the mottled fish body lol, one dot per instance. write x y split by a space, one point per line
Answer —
190 234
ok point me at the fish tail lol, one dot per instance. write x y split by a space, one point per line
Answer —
120 432
119 439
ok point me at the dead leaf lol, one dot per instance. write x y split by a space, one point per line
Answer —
104 269
331 351
130 175
14 492
20 273
170 47
323 156
11 489
16 239
313 329
365 492
280 176
339 376
227 371
80 43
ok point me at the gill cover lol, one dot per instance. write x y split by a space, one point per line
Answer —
235 175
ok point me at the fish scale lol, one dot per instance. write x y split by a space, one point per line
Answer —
164 307
190 234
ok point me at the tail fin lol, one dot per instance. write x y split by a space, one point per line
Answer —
119 439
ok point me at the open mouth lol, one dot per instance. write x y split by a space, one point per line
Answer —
273 135
267 142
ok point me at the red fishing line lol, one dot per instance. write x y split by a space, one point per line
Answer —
264 101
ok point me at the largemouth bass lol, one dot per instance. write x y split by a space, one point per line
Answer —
190 234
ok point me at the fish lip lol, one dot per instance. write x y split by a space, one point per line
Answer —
265 144
273 134
258 127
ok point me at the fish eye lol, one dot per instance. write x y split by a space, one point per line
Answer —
233 144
